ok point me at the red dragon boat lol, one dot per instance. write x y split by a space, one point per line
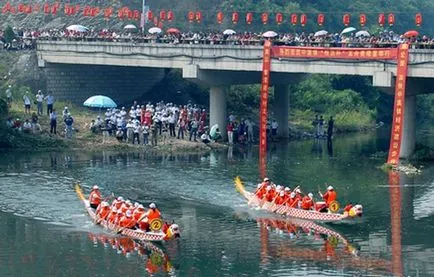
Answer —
158 233
284 210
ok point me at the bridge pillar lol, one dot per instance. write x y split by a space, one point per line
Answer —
281 108
218 108
408 140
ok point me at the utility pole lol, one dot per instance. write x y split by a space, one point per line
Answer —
144 18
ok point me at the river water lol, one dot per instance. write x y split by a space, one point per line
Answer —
44 230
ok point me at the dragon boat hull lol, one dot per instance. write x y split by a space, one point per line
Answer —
134 234
284 210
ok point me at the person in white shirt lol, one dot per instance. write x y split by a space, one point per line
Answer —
137 130
132 113
27 126
274 126
39 100
123 112
27 102
130 130
172 121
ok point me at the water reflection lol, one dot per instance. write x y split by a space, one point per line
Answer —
154 258
309 241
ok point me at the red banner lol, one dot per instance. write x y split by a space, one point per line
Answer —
263 110
398 106
335 53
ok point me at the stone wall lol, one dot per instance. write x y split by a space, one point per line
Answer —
78 82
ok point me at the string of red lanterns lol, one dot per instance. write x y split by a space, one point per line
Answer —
126 13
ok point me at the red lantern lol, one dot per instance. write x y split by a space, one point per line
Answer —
54 9
264 18
321 19
130 13
190 16
391 19
162 15
220 17
346 19
170 16
381 19
86 11
198 17
108 12
279 18
418 19
235 17
150 15
362 19
67 9
121 13
36 8
249 18
28 9
21 8
294 19
47 8
136 15
303 19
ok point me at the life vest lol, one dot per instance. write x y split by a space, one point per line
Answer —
329 196
153 214
278 200
269 196
138 214
124 208
294 203
104 212
127 222
95 197
306 203
111 217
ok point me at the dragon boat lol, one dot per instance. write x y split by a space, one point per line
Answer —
284 210
159 230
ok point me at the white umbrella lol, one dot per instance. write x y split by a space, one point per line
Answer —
320 33
348 30
363 34
77 28
154 30
130 26
229 32
269 34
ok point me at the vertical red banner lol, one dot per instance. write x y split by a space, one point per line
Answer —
395 219
398 106
263 109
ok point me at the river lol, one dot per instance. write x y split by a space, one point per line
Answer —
44 230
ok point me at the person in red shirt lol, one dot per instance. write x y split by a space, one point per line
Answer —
230 132
102 211
95 197
330 195
293 201
279 198
269 195
307 202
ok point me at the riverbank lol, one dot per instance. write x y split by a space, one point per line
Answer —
83 138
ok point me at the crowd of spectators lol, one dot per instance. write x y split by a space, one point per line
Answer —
27 39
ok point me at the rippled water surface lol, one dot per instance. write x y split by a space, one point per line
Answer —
44 230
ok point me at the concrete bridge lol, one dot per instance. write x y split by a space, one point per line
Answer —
98 67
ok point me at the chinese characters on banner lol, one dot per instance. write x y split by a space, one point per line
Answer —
335 53
395 218
398 106
263 110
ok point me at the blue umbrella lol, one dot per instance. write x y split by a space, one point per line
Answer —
100 101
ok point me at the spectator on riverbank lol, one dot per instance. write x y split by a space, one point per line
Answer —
330 126
53 122
27 102
39 100
69 121
50 103
8 93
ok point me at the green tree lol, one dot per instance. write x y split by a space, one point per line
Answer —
9 34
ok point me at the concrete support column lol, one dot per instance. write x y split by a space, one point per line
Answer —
218 107
281 108
408 140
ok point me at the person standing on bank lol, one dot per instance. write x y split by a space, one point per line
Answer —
27 103
39 99
50 102
9 95
53 122
330 126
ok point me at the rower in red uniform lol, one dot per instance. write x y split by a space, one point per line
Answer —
139 212
128 221
293 201
269 195
307 202
147 218
329 196
279 198
260 191
112 215
103 211
95 197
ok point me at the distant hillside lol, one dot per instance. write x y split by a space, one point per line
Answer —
404 11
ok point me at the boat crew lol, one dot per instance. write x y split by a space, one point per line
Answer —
128 221
95 197
103 211
293 201
261 190
139 212
269 195
329 196
112 215
307 202
147 217
279 200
